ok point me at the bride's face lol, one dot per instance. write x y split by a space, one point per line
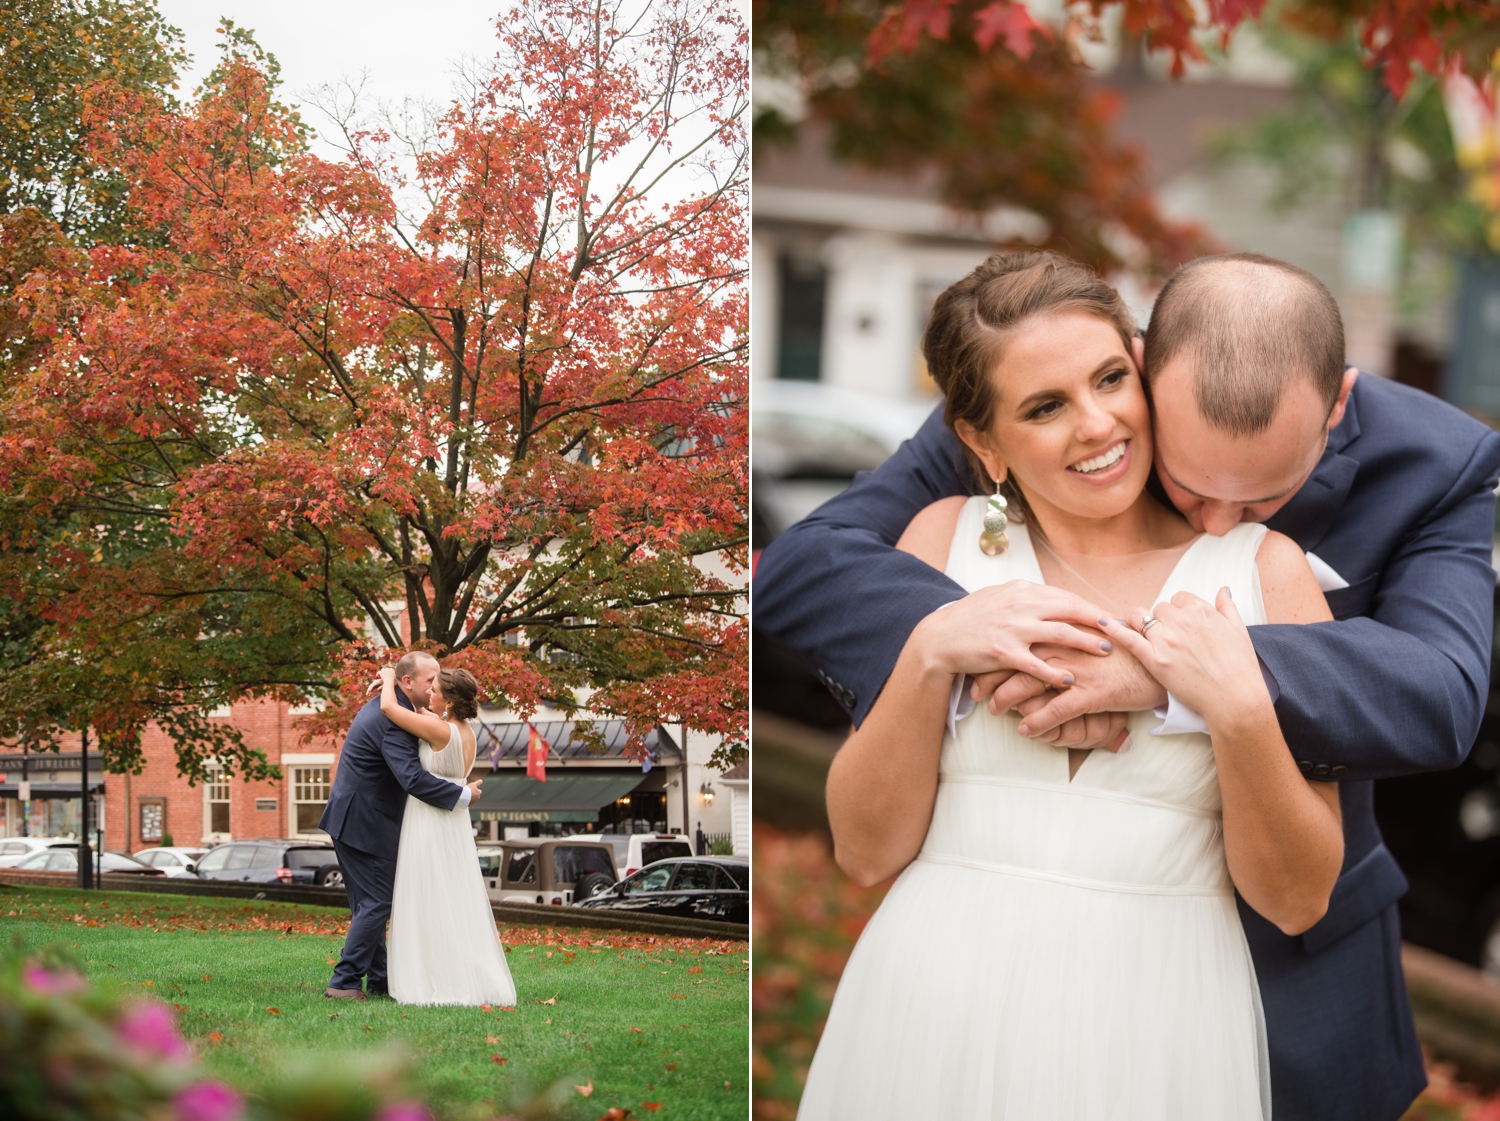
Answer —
438 703
1070 423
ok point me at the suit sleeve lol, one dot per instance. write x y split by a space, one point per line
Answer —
399 748
1402 690
834 589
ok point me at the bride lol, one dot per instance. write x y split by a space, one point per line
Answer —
1063 941
444 947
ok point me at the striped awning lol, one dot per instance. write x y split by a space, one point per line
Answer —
563 797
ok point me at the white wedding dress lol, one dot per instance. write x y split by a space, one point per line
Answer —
444 948
1059 951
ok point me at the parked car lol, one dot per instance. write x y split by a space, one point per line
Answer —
173 861
64 858
13 850
553 870
275 861
702 887
648 848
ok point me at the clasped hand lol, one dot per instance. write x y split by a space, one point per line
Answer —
1198 651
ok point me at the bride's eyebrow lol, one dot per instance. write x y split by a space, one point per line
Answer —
1043 395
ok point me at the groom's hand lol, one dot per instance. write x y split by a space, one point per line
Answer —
1117 683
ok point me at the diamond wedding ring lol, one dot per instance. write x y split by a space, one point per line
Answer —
1148 622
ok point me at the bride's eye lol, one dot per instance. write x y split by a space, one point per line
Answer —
1044 411
1113 378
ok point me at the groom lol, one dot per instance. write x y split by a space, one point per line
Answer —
378 768
1391 494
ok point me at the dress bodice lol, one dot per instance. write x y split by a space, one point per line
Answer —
448 763
1145 817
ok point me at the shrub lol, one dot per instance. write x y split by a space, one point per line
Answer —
721 846
166 840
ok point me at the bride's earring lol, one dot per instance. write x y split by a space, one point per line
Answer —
993 542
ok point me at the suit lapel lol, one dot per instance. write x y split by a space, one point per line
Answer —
1308 517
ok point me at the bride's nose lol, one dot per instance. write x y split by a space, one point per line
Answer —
1094 423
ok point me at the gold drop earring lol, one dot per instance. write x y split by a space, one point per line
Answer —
993 541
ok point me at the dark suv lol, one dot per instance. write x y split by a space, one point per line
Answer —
287 862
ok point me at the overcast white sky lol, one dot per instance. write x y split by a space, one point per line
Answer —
405 50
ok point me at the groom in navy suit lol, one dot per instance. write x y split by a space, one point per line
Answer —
378 768
1391 494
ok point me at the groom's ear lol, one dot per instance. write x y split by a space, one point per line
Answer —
1351 375
1138 352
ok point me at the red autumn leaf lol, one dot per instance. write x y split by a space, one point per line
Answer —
492 1039
1013 22
615 1113
274 1011
651 1107
215 1037
677 996
637 1031
671 1066
586 1089
486 1008
498 1059
696 969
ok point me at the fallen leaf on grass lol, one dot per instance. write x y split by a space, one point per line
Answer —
677 996
368 1028
726 1085
671 1066
330 961
615 1113
215 1037
179 1007
651 1107
552 1001
695 969
333 1015
637 1031
587 1089
485 1008
206 976
492 1039
274 1011
499 1060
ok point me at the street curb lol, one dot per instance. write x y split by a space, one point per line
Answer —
531 913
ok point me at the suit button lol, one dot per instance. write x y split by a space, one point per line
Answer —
1304 765
1336 771
1322 769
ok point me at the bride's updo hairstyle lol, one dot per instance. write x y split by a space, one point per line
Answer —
973 319
461 692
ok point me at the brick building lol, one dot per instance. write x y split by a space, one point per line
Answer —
137 811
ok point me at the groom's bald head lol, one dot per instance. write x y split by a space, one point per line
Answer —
1245 327
1245 358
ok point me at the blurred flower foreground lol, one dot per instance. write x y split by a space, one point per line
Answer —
808 916
72 1051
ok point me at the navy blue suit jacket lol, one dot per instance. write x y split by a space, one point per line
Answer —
1402 506
378 768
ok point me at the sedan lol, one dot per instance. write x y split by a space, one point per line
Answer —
690 888
13 850
64 858
173 861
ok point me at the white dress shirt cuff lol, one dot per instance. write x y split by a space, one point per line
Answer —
465 796
1177 719
960 701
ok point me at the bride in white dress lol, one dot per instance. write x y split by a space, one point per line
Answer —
444 948
1063 943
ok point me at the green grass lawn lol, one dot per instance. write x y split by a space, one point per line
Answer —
649 1021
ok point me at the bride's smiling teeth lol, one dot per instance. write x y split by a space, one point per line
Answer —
1102 461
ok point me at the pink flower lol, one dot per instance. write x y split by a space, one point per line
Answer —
404 1111
45 981
148 1028
208 1101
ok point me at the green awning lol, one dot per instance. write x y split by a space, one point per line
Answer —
514 797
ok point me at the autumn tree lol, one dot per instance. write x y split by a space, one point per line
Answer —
493 372
1002 107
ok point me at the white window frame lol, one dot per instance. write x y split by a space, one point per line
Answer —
216 779
295 784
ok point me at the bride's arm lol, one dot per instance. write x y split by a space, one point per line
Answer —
1283 834
883 782
424 725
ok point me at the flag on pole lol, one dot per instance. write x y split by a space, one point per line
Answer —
537 750
494 747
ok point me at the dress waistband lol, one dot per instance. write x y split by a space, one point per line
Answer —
1079 791
1074 881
